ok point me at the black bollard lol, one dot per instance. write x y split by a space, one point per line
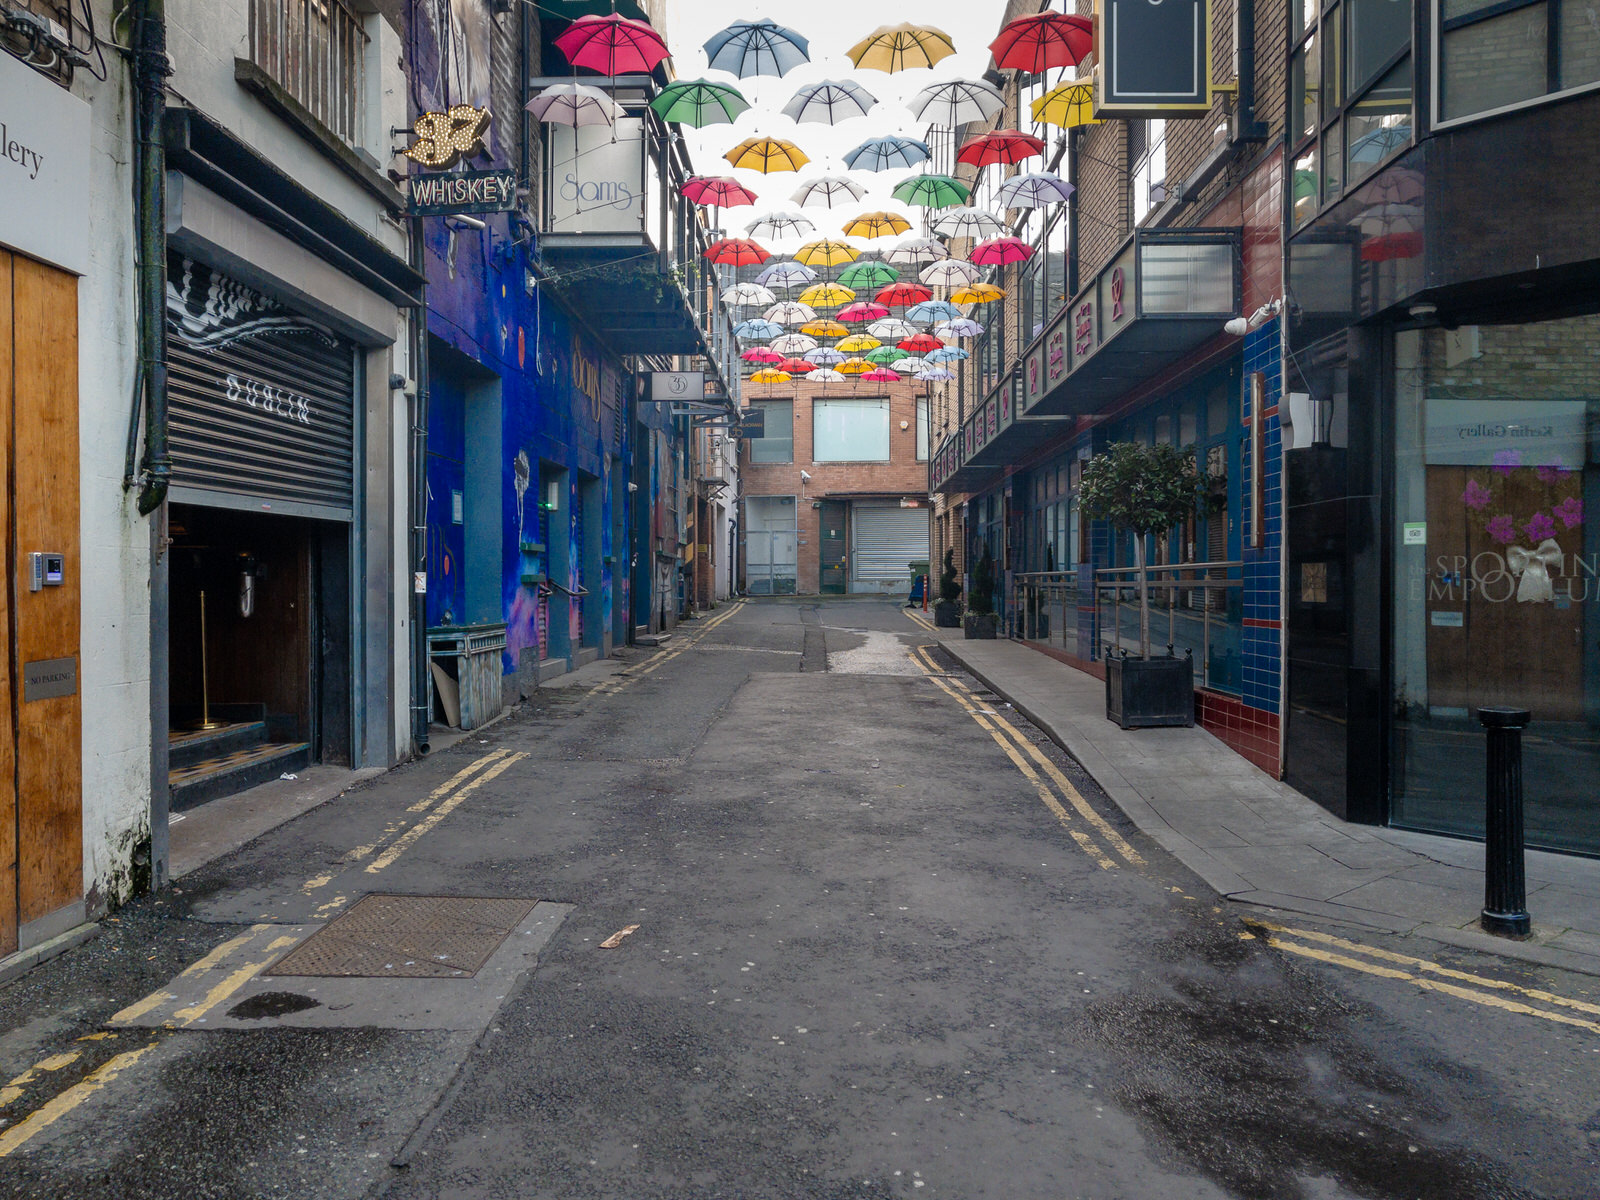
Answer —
1505 884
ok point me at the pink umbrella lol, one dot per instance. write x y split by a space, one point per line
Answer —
881 375
863 310
1001 250
612 45
761 354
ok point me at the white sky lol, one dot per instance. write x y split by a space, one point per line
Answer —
832 26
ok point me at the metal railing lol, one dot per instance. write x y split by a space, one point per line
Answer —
1044 605
316 50
1198 607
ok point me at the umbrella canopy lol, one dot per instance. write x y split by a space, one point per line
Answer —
825 191
973 223
793 343
699 102
853 366
858 343
1039 41
573 104
901 47
915 250
876 225
796 366
933 375
831 101
957 327
999 146
716 191
825 356
736 252
977 293
1032 191
881 375
826 375
932 191
946 354
744 294
883 355
1068 105
757 327
887 153
933 310
767 155
862 311
780 225
786 275
826 295
868 274
907 363
950 272
920 343
761 354
826 253
760 47
1374 147
790 312
823 328
956 102
891 329
898 295
768 375
999 251
612 45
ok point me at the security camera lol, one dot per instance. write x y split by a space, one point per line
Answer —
806 475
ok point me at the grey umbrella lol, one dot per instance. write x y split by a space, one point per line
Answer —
831 101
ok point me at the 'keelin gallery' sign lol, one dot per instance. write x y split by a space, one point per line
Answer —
1152 58
44 168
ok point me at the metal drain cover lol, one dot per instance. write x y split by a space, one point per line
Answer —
399 937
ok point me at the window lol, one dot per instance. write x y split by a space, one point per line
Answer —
776 443
315 49
922 429
1495 55
850 430
1147 151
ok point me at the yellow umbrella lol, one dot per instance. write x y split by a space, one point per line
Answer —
855 366
826 295
770 376
826 253
978 293
876 225
1067 104
899 47
858 343
821 329
767 155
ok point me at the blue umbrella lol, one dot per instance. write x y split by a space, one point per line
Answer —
948 354
831 101
760 47
786 274
1376 146
887 153
933 310
757 327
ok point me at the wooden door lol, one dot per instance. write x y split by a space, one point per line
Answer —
8 740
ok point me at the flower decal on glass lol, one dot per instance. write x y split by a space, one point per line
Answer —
1553 473
1539 527
1570 512
1476 497
1502 529
1507 461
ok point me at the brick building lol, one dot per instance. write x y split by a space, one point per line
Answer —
835 491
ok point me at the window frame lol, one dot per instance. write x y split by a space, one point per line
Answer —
1436 32
766 462
822 403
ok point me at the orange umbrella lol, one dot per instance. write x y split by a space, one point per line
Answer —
977 293
770 376
822 329
826 253
855 366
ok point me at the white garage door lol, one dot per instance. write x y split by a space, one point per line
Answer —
884 542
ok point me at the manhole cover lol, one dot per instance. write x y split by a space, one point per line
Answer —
384 937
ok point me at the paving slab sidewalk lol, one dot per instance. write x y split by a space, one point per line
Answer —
1259 842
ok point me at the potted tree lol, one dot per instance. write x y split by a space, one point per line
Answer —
981 620
947 612
1145 490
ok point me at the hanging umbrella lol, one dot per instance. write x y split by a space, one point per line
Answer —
957 327
950 272
793 343
716 191
957 102
932 191
745 294
612 45
977 293
736 252
1039 41
823 328
920 343
789 312
825 375
768 375
881 375
908 363
699 102
999 251
826 295
780 225
933 310
887 153
797 366
1032 191
826 191
946 354
767 155
901 47
760 47
891 329
757 327
573 104
858 343
761 354
975 223
830 102
883 355
903 295
1068 105
854 366
862 311
868 274
876 225
933 375
1389 246
826 253
825 356
999 146
915 250
786 275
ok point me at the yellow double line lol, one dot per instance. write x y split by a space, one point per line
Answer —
1426 975
618 683
920 619
1047 778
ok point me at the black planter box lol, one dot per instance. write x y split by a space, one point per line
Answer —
1144 693
986 625
947 615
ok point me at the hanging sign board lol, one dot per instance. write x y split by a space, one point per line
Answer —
1152 58
443 195
44 168
677 385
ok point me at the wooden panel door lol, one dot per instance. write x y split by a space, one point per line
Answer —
8 761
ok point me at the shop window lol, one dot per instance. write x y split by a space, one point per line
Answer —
1147 151
316 51
850 430
1494 56
776 443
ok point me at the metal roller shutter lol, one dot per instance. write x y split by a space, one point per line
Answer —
884 544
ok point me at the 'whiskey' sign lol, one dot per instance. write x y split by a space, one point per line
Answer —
443 195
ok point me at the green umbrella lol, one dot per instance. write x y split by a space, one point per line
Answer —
932 191
884 355
699 102
863 275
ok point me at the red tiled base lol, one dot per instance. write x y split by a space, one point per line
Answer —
1252 733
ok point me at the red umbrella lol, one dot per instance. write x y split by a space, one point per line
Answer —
920 343
881 375
796 366
736 252
1391 246
761 354
612 45
903 294
716 191
999 251
999 146
863 310
1042 40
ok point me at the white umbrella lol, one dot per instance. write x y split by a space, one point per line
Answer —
958 327
831 101
934 375
908 364
915 250
825 191
950 272
786 274
974 223
891 329
956 102
1033 191
574 104
782 224
744 294
825 375
790 344
790 312
825 356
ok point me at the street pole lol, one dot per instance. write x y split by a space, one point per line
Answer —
1505 888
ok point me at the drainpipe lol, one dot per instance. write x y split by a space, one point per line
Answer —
150 70
1246 128
421 710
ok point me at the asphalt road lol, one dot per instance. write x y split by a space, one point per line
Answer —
885 941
